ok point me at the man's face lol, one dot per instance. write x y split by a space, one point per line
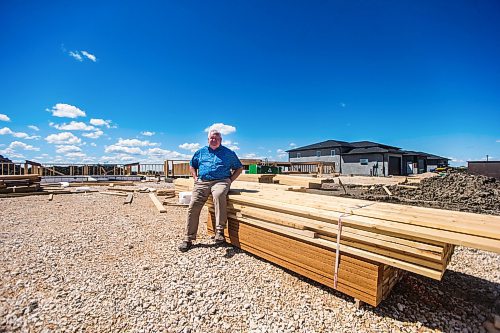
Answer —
214 141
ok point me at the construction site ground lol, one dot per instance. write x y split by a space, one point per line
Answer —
88 262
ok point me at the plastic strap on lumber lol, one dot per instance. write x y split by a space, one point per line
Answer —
337 251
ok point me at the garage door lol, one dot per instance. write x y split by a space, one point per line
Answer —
394 166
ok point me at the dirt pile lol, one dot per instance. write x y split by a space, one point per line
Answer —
455 191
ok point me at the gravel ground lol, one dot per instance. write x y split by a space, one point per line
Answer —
86 262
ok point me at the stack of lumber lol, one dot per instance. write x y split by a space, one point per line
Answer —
411 238
365 280
257 178
187 184
19 183
307 182
302 228
166 192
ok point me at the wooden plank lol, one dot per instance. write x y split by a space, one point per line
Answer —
461 223
387 190
412 187
331 230
123 183
175 204
21 189
165 192
367 223
120 194
157 203
257 178
123 189
129 198
33 177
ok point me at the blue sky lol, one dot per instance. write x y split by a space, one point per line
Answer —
126 81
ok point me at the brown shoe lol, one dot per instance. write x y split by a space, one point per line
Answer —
185 246
219 237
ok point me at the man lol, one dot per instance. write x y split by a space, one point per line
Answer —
213 168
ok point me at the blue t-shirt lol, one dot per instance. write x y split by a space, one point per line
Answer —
215 164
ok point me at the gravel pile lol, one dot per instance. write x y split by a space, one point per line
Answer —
86 262
455 191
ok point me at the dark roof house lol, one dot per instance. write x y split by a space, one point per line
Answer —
366 158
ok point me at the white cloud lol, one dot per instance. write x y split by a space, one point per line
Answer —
233 147
456 160
163 154
79 55
22 145
190 146
4 117
100 122
89 56
67 149
134 143
252 156
498 141
66 111
75 155
123 149
63 138
73 126
76 55
33 127
93 144
5 130
21 135
11 154
293 144
281 154
224 129
93 135
118 158
148 133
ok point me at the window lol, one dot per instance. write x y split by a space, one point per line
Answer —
363 161
318 153
332 152
299 155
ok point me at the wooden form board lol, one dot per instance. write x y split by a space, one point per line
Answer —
157 203
362 279
129 198
307 182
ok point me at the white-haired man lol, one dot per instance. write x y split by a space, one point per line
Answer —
214 168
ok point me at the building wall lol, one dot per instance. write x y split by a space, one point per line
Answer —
351 165
335 159
313 153
490 168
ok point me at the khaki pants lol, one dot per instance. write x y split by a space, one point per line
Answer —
201 192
